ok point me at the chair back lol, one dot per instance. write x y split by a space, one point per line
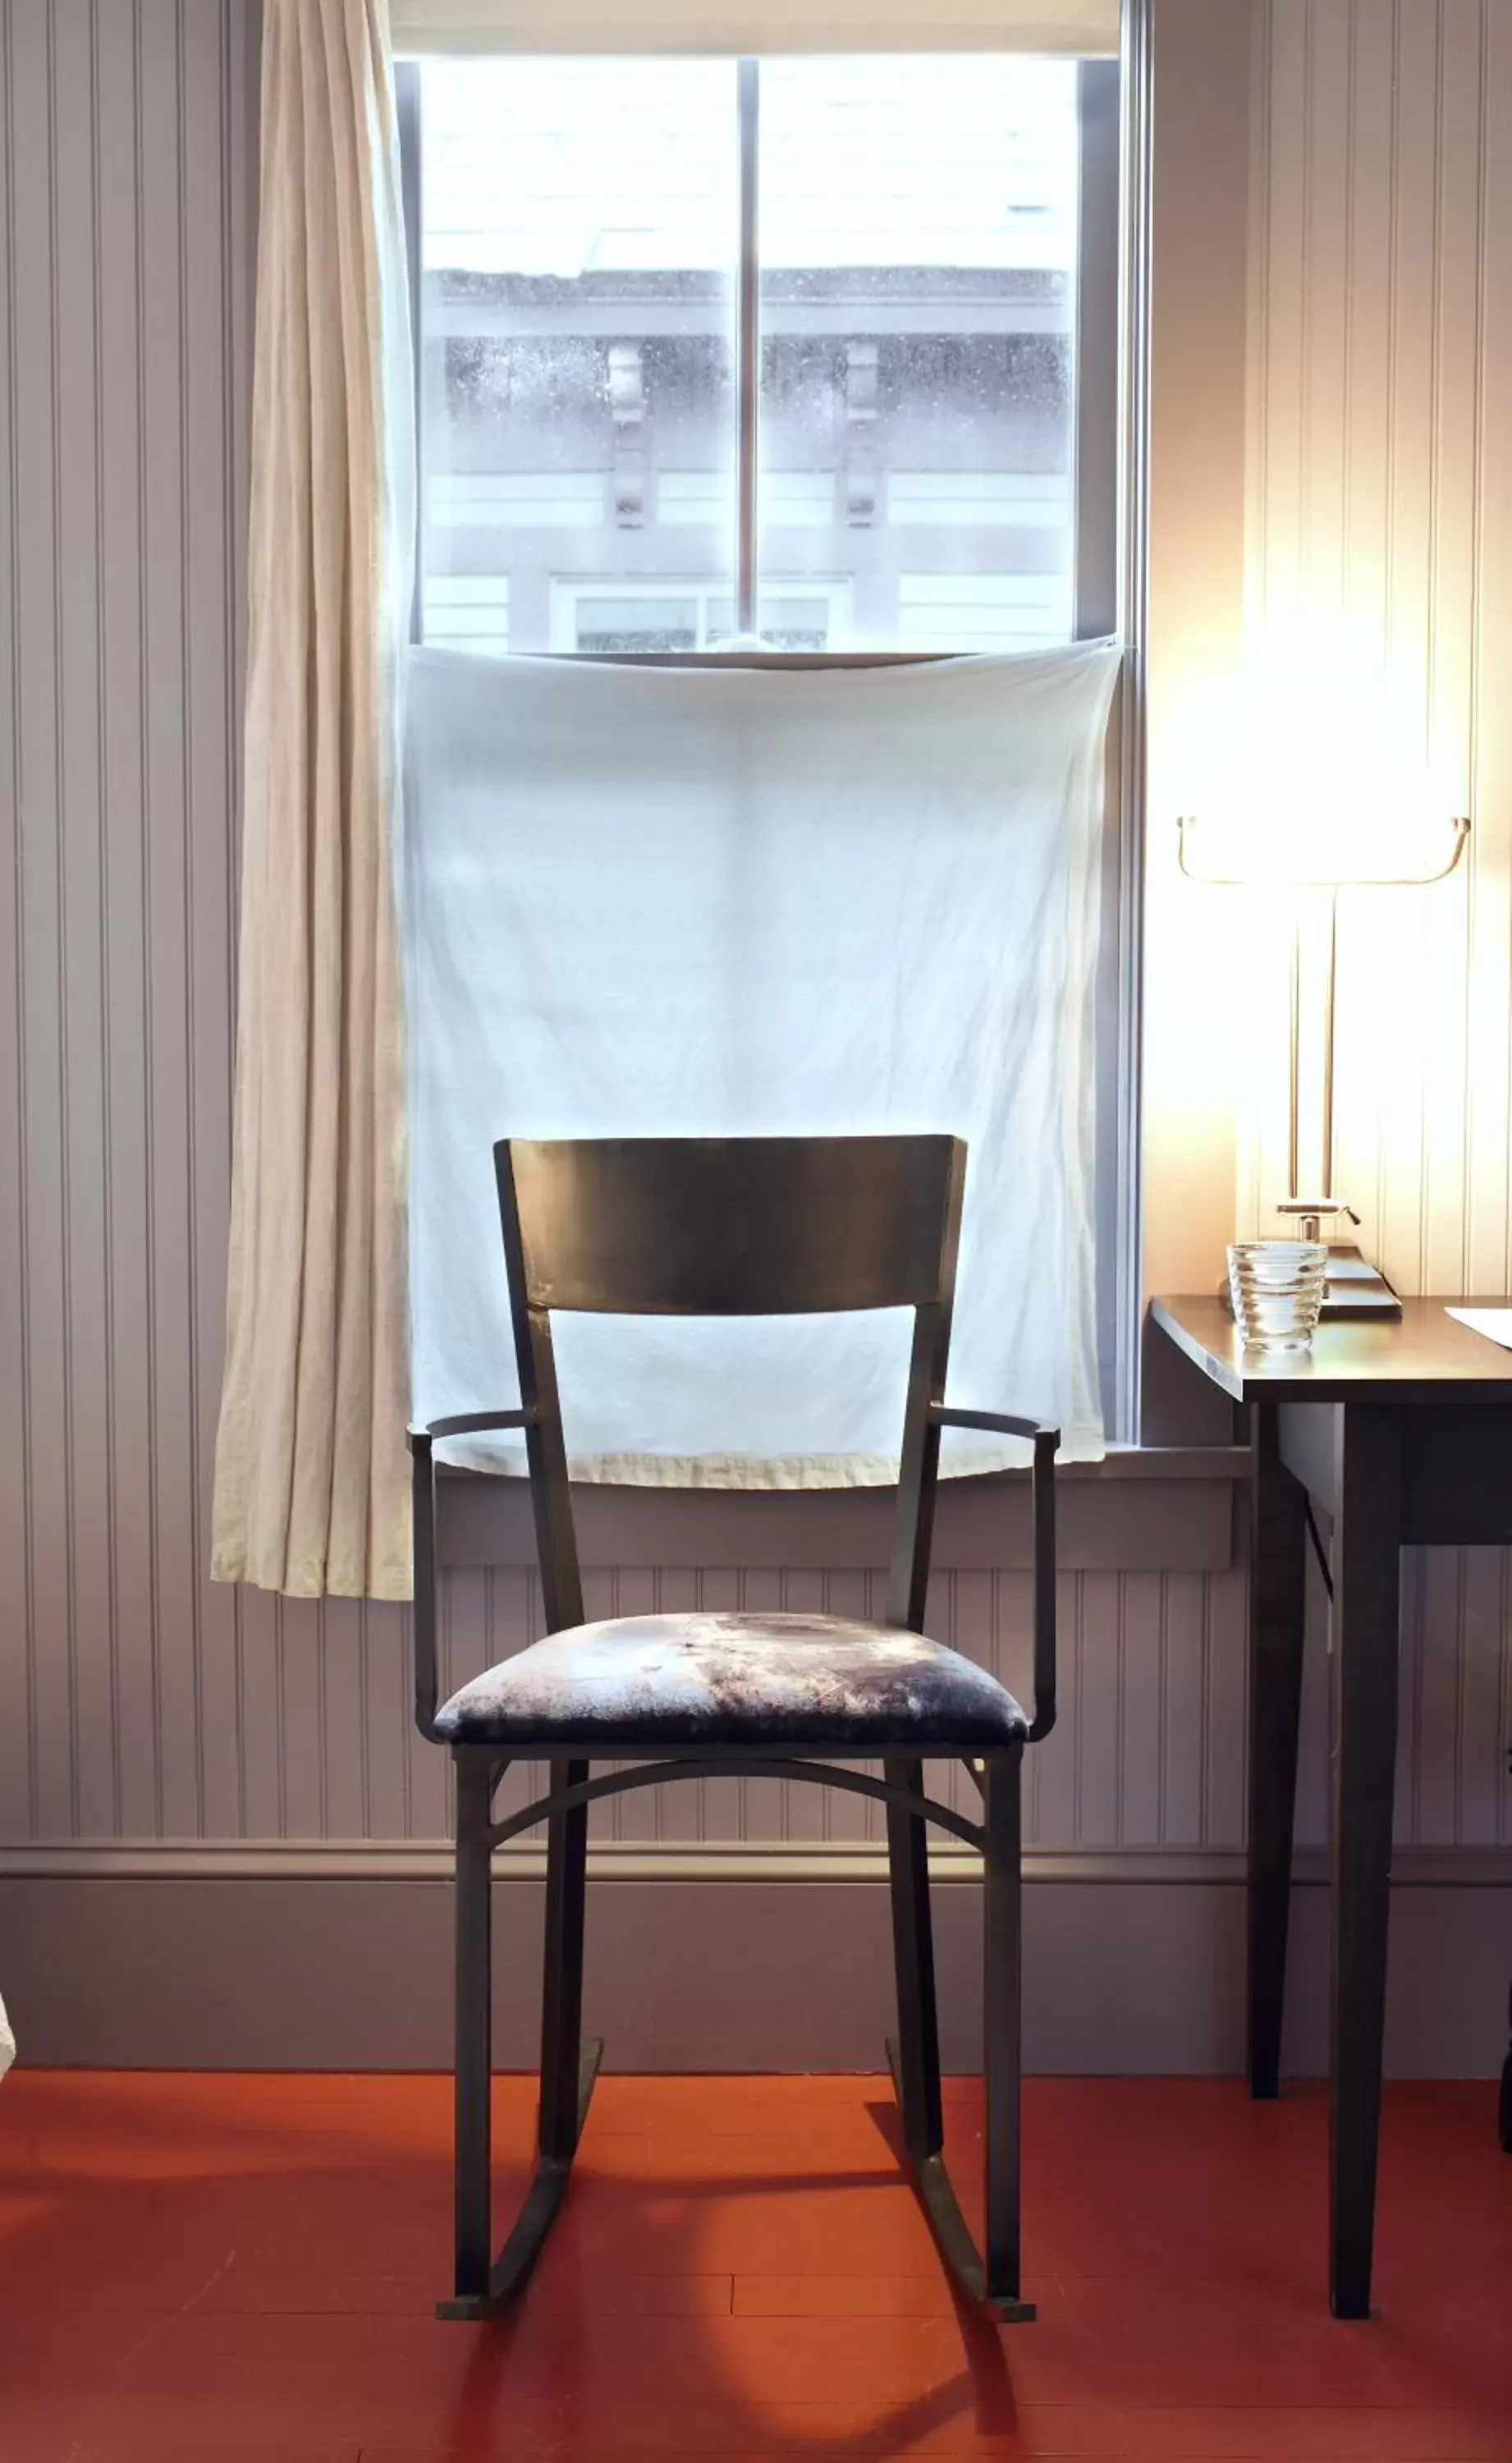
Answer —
731 1226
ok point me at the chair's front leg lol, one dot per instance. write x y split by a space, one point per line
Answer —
1002 2011
473 2147
562 1989
914 1966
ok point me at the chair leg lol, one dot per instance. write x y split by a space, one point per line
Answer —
562 1990
992 2276
486 2284
913 1960
473 2150
1001 2009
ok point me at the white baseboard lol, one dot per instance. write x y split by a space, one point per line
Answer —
715 1860
326 1956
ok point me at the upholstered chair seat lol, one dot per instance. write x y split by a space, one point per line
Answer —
728 1680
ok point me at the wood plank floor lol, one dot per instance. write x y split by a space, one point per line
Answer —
240 2270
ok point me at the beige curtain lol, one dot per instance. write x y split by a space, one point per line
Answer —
310 1489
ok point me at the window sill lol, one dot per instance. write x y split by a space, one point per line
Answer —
1155 1509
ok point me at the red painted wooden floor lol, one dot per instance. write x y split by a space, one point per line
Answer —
213 2270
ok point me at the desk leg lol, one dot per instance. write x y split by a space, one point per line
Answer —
1367 1581
1277 1615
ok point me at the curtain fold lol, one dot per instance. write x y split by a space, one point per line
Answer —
310 1481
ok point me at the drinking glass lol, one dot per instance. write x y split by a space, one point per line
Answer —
1277 1290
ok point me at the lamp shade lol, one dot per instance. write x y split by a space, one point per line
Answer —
1318 765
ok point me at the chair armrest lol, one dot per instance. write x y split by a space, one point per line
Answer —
1001 1424
1047 1444
468 1424
422 1495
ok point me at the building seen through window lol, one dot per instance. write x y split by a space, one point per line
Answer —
912 262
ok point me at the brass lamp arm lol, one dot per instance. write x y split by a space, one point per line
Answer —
1188 825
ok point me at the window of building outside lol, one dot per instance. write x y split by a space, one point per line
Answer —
830 303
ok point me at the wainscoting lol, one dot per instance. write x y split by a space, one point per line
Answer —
217 1830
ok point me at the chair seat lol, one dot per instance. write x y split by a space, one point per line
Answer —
747 1681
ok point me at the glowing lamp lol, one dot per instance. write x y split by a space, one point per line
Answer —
1312 815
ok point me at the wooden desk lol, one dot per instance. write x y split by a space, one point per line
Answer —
1400 1435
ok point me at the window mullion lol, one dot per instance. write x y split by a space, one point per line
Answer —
747 352
1096 353
407 105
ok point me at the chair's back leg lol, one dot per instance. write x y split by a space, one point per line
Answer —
472 2155
913 1960
1002 2004
562 1988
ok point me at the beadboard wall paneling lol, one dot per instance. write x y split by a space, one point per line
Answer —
127 198
137 1701
1380 521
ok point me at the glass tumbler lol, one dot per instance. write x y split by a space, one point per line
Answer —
1277 1290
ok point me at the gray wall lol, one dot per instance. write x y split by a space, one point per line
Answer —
159 1735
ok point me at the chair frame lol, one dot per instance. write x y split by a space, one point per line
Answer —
486 2284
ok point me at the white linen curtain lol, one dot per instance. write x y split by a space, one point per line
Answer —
310 1481
652 901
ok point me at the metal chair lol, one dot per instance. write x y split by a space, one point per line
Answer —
709 1227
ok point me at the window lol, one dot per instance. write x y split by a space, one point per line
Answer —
787 349
794 359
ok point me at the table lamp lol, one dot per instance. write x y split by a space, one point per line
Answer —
1354 1287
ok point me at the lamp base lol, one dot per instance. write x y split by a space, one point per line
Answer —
1353 1287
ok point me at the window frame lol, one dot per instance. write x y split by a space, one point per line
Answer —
569 591
1095 457
1110 478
